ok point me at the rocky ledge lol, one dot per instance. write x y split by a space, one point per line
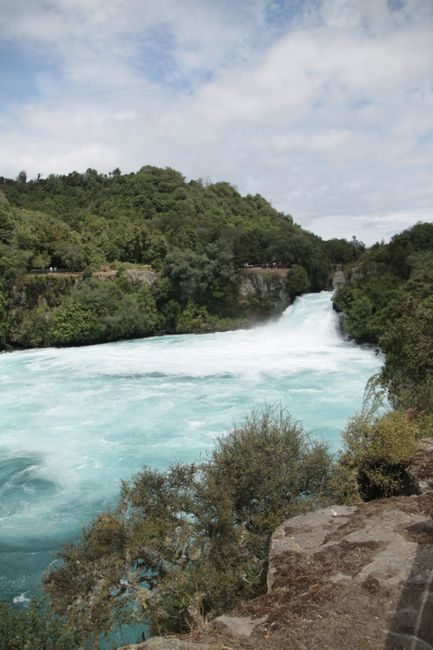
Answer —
358 577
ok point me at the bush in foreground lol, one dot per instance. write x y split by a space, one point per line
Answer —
377 452
193 540
190 542
33 629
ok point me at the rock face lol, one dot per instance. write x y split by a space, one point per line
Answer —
264 287
146 276
338 279
143 274
358 577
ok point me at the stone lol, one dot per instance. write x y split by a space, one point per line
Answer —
358 577
240 625
338 279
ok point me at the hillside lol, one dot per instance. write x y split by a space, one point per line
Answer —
193 236
387 300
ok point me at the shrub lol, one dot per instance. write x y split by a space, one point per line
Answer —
195 319
377 454
269 467
193 540
34 628
408 369
297 280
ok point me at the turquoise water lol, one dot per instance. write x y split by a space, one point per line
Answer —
75 421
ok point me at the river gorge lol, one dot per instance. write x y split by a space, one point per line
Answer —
76 421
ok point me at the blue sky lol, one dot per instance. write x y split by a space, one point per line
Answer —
325 107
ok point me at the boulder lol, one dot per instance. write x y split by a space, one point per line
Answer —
358 577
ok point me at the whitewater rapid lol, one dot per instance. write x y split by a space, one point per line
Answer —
76 421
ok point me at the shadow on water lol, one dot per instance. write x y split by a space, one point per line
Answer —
412 625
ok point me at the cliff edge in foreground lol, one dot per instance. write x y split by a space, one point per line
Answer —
358 577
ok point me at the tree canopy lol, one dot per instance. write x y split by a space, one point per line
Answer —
194 235
387 300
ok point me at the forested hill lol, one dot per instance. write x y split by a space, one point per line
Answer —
388 299
194 236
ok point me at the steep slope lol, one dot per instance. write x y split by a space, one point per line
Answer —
197 237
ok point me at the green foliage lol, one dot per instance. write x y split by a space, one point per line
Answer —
388 301
74 324
13 263
31 301
57 310
377 452
157 250
194 234
6 224
297 281
408 368
98 311
30 329
194 319
342 251
269 468
34 628
357 319
192 541
206 277
3 316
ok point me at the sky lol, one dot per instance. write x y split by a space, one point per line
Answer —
324 107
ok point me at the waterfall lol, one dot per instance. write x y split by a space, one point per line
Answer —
75 421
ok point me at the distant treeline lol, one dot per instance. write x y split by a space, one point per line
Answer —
194 235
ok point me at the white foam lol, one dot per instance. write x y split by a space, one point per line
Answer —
21 599
94 415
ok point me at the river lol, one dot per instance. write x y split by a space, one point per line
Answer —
75 421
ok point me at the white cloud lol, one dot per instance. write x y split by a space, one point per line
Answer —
328 115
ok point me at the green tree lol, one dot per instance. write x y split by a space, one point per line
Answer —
193 538
357 319
408 368
194 319
34 628
3 317
342 251
6 224
72 325
297 281
378 450
100 310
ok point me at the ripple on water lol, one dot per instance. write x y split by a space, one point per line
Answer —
76 421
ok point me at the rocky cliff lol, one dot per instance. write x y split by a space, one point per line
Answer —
358 577
263 292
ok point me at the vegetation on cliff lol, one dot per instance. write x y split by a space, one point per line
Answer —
194 235
387 300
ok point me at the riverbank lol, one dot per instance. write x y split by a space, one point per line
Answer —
341 577
57 308
78 420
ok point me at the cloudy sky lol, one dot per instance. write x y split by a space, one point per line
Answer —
325 107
